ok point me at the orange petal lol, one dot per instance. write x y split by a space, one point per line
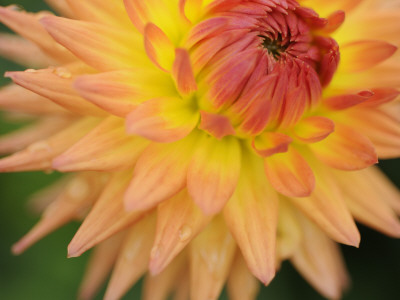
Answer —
78 194
100 264
133 258
382 96
218 126
38 156
320 262
158 47
179 220
182 72
162 120
213 173
56 85
327 208
106 218
97 45
106 147
314 129
159 174
211 256
362 55
252 215
346 149
270 143
290 174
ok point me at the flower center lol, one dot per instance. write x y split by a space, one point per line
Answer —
274 47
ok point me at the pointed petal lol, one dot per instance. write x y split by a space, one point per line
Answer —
106 147
211 256
57 87
290 174
179 220
242 285
159 174
163 120
346 101
327 208
106 218
42 129
314 129
252 215
366 203
346 149
320 262
133 258
27 25
363 55
99 46
213 173
79 193
23 52
38 156
16 98
100 264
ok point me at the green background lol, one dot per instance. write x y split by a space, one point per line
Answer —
44 272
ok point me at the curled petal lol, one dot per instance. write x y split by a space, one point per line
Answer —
314 129
346 101
183 73
290 174
270 143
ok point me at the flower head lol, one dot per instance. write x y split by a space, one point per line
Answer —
216 134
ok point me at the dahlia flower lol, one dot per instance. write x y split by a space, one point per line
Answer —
207 141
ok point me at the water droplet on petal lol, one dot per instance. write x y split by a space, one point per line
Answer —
184 233
16 7
63 73
39 147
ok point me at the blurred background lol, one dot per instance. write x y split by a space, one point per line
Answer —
43 272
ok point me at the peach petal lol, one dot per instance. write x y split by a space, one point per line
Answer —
179 220
218 126
213 173
107 217
100 264
320 262
133 258
211 256
252 215
159 174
